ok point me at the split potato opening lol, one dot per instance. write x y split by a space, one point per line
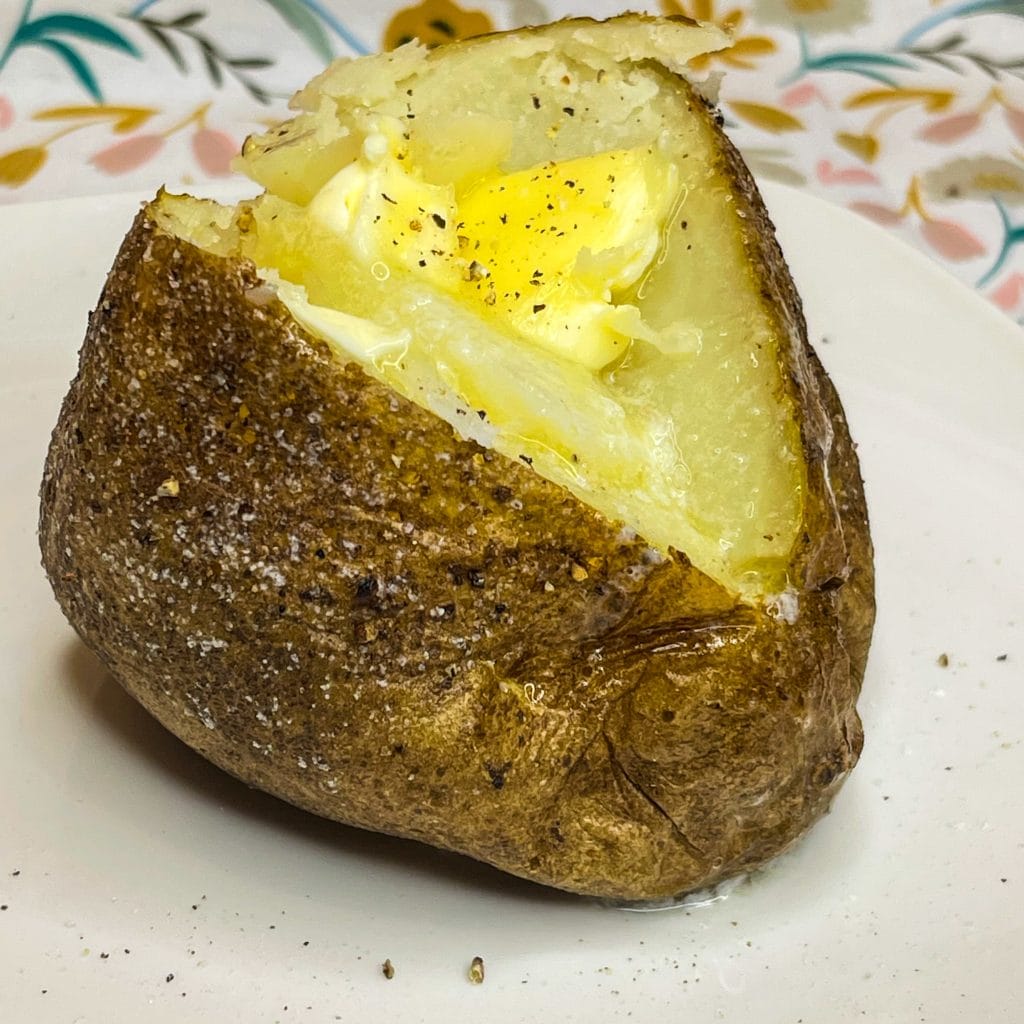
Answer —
536 238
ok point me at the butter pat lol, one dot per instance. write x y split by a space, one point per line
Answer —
361 339
541 252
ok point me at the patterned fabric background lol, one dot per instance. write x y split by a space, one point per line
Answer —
910 112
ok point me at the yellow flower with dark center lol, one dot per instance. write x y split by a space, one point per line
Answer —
434 22
744 50
976 177
813 16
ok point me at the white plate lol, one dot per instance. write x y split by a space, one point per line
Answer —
141 884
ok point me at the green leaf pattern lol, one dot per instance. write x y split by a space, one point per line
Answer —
307 24
880 102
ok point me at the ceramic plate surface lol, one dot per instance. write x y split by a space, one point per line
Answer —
140 884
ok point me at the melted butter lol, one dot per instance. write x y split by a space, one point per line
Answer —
543 252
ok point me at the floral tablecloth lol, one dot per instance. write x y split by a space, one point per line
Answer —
910 112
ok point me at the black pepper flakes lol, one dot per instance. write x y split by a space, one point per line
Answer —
536 102
439 220
388 199
169 978
497 773
539 306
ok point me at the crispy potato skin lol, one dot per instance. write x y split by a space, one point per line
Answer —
320 588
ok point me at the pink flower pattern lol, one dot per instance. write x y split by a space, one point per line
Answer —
877 212
866 111
1015 120
129 154
952 240
831 175
950 129
1009 294
214 151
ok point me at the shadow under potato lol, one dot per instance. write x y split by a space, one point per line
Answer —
121 719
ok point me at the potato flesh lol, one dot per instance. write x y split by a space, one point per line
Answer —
540 252
689 441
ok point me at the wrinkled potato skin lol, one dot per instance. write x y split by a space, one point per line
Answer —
349 607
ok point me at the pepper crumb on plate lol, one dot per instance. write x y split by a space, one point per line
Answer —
476 970
387 969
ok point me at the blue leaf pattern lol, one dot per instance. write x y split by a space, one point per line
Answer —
909 113
76 25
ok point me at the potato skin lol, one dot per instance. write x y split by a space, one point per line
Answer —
321 589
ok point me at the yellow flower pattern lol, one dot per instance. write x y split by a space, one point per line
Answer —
911 114
813 16
434 22
745 50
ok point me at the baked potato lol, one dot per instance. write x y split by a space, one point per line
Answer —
476 483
